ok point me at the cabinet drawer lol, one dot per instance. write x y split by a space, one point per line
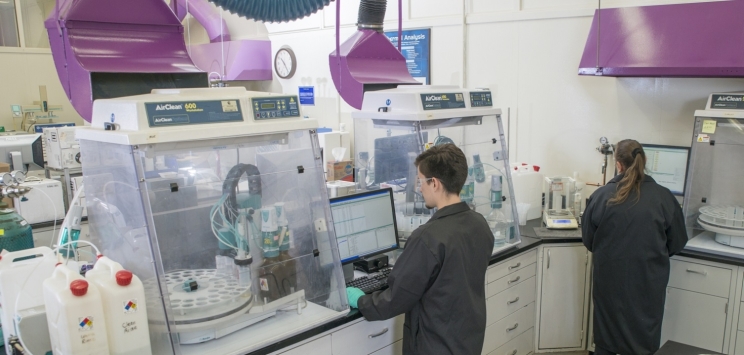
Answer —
393 349
521 345
701 278
510 301
499 333
511 280
320 346
739 349
512 265
367 337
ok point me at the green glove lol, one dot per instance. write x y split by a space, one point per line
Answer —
353 294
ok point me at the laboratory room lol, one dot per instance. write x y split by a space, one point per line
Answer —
371 177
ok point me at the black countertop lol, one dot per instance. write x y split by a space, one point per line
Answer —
712 257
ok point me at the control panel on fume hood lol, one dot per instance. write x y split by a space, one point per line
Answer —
177 113
442 101
727 102
480 99
266 108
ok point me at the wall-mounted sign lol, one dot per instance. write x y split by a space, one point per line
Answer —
416 48
307 95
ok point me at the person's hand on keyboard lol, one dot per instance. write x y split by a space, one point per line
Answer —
353 294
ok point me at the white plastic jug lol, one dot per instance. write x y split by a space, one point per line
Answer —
124 305
74 313
20 284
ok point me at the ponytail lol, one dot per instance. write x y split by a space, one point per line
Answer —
630 154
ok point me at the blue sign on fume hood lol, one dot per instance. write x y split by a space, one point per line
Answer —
416 48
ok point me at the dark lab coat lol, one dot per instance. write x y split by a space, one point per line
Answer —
438 282
631 245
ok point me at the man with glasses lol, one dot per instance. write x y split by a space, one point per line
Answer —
438 280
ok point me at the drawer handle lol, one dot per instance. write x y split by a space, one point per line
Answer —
378 334
514 352
704 273
513 281
515 266
516 325
512 301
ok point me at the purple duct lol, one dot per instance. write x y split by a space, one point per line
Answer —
207 16
232 60
367 61
108 48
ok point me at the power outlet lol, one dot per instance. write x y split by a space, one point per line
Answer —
498 155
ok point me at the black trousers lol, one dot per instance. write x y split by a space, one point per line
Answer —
600 351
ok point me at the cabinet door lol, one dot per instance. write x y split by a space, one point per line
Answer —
393 349
694 319
320 346
562 297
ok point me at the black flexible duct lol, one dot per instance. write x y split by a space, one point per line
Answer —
272 10
371 14
230 186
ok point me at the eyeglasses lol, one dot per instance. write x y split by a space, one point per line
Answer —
420 181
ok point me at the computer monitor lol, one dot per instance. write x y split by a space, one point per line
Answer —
21 150
364 224
668 166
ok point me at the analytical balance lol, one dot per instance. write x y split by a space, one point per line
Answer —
714 197
394 126
216 199
558 212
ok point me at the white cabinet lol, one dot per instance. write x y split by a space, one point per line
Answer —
699 306
367 337
510 305
393 349
695 319
321 346
563 297
521 345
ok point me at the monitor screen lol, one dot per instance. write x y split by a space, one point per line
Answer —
668 166
364 224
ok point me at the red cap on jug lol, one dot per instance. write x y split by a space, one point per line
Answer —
79 287
123 277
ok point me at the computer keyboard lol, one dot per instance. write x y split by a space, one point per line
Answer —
371 283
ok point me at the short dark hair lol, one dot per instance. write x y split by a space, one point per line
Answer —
447 163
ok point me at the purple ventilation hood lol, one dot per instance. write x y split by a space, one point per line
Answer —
367 61
684 40
108 48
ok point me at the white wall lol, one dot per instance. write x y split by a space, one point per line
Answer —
21 73
526 51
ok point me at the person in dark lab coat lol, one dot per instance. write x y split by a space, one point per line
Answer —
438 280
632 226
